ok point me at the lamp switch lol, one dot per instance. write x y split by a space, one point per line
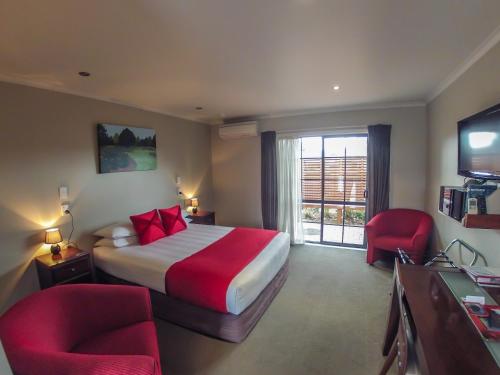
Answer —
63 193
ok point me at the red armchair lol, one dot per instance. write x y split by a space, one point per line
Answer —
398 228
82 329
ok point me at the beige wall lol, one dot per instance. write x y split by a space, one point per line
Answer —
477 89
236 163
49 139
236 178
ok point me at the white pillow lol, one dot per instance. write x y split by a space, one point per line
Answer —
117 242
117 230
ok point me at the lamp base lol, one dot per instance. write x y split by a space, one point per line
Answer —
55 249
195 210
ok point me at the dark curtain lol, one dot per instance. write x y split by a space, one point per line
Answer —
379 160
269 180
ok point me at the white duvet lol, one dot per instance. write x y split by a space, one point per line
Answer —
146 265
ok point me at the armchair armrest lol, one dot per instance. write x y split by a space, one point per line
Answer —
422 234
59 363
378 224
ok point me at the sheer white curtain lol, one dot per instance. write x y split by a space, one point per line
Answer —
290 189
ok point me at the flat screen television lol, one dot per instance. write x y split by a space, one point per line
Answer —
479 145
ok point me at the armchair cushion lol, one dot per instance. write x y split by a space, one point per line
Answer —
393 242
136 339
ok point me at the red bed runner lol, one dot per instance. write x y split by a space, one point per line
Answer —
203 278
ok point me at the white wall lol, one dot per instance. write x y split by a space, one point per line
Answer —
4 363
477 89
51 139
236 164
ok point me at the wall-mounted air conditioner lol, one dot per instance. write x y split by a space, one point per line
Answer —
239 130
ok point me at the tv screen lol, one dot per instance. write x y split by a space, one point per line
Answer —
479 145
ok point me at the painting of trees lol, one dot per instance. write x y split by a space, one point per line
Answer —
123 149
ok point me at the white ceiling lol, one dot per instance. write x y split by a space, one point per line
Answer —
239 58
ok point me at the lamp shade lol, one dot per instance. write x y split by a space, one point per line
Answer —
194 202
53 236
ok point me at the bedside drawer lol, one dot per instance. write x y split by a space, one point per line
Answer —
71 270
208 219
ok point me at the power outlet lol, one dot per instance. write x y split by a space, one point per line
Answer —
64 208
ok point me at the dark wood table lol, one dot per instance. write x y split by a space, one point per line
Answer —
72 265
446 340
202 217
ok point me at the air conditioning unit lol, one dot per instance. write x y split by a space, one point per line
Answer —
239 130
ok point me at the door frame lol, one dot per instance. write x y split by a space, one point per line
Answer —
342 203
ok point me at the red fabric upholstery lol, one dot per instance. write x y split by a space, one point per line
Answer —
48 332
204 277
148 227
398 228
172 219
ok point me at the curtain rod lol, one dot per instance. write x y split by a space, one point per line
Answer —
323 131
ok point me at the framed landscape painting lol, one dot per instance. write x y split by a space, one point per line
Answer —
125 148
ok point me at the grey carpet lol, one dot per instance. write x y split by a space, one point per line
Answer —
329 318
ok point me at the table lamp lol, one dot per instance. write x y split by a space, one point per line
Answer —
53 237
194 204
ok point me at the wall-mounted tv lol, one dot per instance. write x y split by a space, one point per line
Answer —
479 145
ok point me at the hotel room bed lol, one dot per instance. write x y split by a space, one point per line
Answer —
248 295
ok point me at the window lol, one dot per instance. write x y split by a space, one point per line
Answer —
334 189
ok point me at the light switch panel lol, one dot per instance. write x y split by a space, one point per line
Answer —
63 193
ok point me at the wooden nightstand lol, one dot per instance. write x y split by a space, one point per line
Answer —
203 217
72 265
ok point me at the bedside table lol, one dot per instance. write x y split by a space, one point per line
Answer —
72 265
202 217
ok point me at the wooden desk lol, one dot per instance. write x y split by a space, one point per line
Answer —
446 341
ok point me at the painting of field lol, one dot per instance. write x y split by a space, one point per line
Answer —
126 148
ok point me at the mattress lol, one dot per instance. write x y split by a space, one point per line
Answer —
147 265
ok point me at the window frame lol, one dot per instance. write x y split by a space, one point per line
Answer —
322 202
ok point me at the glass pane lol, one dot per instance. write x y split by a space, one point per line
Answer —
311 190
355 191
311 213
349 146
334 168
311 217
355 215
311 168
335 146
356 167
354 235
312 232
356 146
312 147
333 214
332 233
334 189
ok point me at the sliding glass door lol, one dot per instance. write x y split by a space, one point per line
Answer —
334 189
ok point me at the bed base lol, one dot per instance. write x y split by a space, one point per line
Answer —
228 327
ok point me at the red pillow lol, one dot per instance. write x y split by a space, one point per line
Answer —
148 227
172 219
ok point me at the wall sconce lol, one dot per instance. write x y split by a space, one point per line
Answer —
53 237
